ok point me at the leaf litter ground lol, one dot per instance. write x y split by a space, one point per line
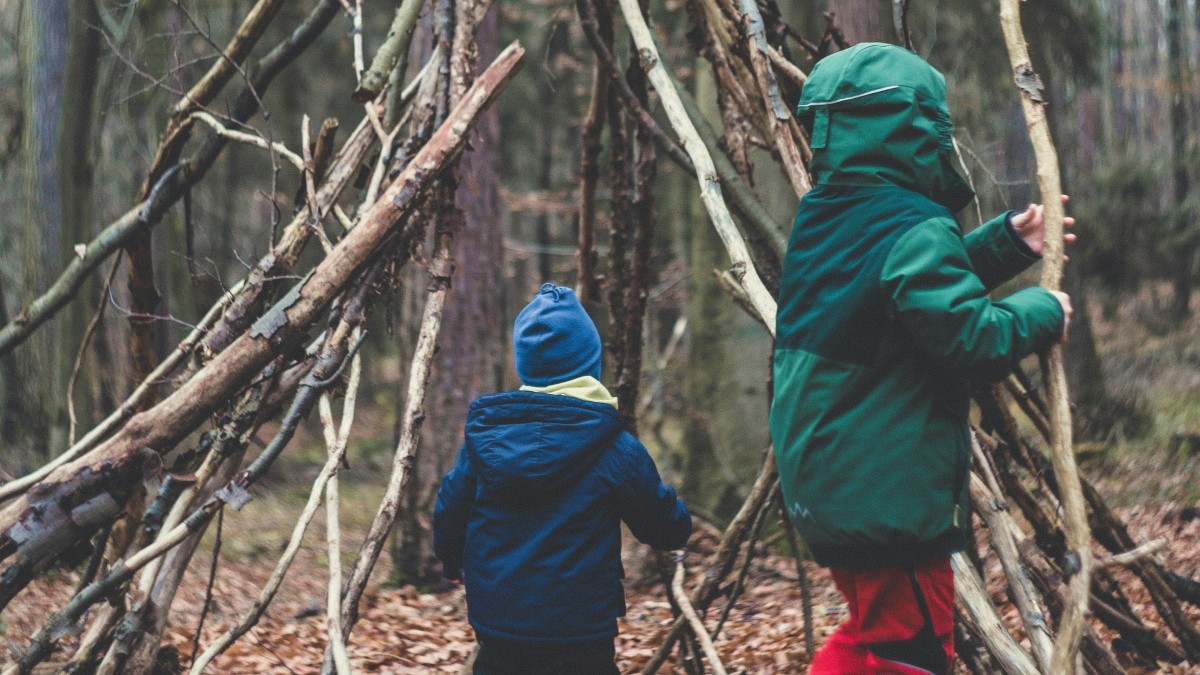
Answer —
403 630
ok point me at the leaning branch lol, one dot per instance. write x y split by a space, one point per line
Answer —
973 596
159 428
710 187
783 125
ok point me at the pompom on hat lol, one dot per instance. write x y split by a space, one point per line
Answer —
554 339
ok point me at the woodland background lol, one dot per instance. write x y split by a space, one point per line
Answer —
88 86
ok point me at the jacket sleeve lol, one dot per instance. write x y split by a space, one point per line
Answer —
942 303
654 514
450 516
996 253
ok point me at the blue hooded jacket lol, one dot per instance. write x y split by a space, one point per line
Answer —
529 517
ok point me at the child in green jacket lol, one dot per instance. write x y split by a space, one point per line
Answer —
884 318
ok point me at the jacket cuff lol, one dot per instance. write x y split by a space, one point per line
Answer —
996 252
1016 238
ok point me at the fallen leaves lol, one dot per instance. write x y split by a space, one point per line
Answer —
404 631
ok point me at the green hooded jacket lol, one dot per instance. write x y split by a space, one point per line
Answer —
884 318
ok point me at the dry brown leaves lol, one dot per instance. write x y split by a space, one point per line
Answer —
403 631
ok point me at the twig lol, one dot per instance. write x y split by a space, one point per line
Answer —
126 410
1129 557
83 344
315 216
267 594
212 578
1024 399
985 466
970 180
739 582
336 447
693 619
724 558
239 47
806 600
250 139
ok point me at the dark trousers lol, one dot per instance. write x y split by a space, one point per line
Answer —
500 657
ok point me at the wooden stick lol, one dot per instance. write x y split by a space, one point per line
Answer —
693 619
336 449
1005 534
781 116
267 594
725 557
710 187
972 594
1079 539
1129 557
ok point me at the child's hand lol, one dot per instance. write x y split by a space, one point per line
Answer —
1065 301
1031 227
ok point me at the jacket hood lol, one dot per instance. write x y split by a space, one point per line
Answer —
528 445
877 115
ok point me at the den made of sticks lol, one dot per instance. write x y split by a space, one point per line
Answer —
259 257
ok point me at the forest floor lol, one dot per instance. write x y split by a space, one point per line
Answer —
406 630
403 630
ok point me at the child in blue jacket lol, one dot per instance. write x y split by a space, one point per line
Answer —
529 517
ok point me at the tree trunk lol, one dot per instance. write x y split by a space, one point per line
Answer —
75 171
45 28
1180 91
860 20
471 361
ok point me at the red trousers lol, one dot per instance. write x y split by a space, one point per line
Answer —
901 622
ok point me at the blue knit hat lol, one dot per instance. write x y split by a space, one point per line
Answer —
554 340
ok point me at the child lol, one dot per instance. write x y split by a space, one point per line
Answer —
529 517
884 316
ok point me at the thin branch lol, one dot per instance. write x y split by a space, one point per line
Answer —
212 578
127 408
391 53
710 190
267 594
239 47
83 344
249 139
723 560
336 447
1129 557
693 619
